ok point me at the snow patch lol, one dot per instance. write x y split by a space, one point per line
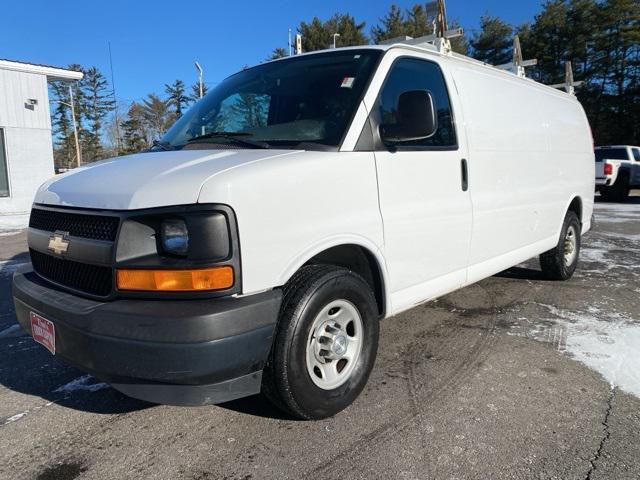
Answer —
619 219
595 255
617 207
14 418
13 224
623 236
81 384
607 342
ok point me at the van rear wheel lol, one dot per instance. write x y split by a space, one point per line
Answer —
560 262
325 344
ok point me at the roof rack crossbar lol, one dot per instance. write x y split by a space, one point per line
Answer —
569 84
518 65
440 39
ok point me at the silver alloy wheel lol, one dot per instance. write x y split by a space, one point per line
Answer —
334 344
570 249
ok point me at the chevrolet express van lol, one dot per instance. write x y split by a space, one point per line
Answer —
259 243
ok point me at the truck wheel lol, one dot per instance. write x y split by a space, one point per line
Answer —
618 192
560 262
325 344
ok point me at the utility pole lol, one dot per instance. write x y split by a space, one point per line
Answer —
75 125
289 42
115 102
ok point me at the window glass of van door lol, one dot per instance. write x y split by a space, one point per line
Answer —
409 74
636 154
4 173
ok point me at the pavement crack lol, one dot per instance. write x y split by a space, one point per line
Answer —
606 433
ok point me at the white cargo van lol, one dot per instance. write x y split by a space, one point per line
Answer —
258 244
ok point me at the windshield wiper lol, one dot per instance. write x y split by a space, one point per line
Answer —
166 146
233 136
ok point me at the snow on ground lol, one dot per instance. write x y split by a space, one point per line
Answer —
595 334
12 224
14 418
85 382
607 342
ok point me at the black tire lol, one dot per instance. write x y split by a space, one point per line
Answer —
619 191
286 380
553 263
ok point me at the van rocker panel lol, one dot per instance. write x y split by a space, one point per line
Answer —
180 352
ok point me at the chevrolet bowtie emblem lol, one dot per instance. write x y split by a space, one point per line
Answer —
58 244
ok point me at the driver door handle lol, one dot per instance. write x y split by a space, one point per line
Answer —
464 175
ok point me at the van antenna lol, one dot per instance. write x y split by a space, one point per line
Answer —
518 65
441 38
569 83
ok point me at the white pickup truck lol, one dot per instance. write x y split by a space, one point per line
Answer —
257 246
617 171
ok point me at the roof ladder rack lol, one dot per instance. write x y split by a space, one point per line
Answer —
441 37
518 65
569 83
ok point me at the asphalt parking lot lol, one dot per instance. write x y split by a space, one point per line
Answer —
513 377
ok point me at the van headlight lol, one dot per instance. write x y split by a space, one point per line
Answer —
175 237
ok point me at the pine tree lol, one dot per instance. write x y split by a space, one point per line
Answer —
177 97
392 25
413 23
549 38
493 44
157 115
318 35
136 136
64 146
98 104
195 92
278 53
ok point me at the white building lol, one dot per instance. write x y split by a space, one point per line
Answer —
26 147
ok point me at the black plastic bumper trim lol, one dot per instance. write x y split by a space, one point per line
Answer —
151 342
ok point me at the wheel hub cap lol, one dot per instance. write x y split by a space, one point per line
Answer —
570 246
334 344
339 346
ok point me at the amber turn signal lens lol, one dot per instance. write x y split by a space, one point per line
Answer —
216 278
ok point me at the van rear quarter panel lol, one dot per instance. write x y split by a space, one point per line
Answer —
292 207
530 155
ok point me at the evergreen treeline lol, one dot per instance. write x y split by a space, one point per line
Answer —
600 37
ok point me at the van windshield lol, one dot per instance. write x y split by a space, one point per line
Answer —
292 103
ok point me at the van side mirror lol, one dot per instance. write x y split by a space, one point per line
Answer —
416 118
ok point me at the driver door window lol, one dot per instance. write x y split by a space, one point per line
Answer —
415 74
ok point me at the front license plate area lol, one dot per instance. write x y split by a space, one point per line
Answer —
43 332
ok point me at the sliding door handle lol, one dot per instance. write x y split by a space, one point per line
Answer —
464 174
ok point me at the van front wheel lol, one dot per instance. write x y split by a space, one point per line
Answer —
560 262
325 344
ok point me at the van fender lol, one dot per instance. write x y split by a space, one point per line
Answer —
303 256
586 223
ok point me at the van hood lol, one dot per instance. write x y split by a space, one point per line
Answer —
145 180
